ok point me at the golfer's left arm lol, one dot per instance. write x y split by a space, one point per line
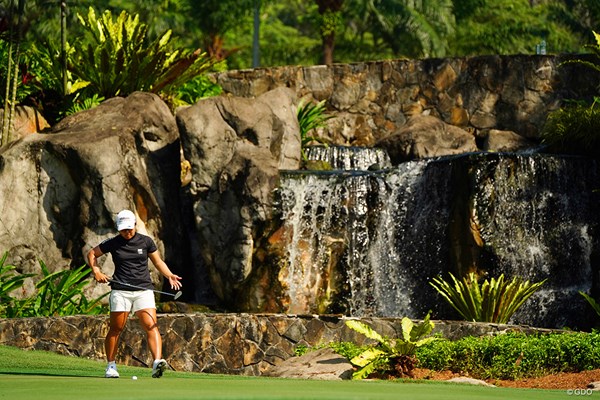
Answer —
162 267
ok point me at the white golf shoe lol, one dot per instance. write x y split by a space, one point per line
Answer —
111 371
158 367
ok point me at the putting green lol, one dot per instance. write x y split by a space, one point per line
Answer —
39 375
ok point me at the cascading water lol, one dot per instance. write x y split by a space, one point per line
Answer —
538 217
358 227
349 158
367 243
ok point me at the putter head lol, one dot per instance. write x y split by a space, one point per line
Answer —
177 295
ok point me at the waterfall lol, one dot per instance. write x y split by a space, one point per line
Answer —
538 216
350 158
364 223
367 243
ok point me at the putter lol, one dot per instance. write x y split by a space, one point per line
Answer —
175 295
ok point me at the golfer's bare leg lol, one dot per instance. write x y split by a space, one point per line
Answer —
147 318
111 343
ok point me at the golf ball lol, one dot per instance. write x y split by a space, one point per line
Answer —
134 378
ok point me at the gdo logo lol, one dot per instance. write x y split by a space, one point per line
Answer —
580 392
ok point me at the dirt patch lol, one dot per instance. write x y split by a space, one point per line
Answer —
563 380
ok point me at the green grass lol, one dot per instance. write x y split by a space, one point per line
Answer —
42 375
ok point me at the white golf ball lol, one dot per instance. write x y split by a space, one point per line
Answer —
134 378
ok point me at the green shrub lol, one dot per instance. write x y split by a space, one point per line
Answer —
197 88
9 281
513 355
61 293
26 82
575 127
494 301
347 349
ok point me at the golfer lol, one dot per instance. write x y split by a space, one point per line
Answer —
130 251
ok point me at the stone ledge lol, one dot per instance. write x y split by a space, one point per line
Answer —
241 344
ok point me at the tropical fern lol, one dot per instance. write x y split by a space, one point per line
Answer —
595 49
495 300
81 103
391 355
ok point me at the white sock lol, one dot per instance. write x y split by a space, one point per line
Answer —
112 364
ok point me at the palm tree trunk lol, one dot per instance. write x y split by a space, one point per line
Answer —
12 72
63 45
4 134
13 95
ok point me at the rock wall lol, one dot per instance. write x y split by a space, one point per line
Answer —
242 344
483 94
64 188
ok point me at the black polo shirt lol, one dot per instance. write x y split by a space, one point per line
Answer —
131 260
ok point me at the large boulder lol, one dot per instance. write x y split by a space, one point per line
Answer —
322 364
62 190
26 121
426 136
236 147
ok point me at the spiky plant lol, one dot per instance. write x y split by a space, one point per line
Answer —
494 300
9 281
310 117
592 302
118 60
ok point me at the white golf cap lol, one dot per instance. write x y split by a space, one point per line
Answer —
125 220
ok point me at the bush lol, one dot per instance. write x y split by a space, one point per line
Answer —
513 355
575 128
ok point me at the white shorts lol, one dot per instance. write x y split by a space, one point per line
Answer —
131 301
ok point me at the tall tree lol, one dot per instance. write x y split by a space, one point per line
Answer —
580 16
413 28
215 18
256 35
515 27
330 12
288 35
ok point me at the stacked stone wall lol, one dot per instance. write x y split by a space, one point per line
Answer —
240 344
372 100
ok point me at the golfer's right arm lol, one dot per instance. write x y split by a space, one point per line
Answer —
92 257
